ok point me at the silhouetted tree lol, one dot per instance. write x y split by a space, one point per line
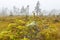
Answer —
37 8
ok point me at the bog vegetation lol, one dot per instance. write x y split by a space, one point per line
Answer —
30 28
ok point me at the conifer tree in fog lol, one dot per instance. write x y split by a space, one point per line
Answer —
16 10
25 11
22 10
37 8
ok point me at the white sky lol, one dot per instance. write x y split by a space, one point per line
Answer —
44 4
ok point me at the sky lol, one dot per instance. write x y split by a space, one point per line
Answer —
44 4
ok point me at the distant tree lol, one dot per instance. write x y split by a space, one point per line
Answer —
4 12
22 10
16 10
37 8
53 11
11 13
27 10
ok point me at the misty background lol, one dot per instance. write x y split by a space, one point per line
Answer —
14 7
